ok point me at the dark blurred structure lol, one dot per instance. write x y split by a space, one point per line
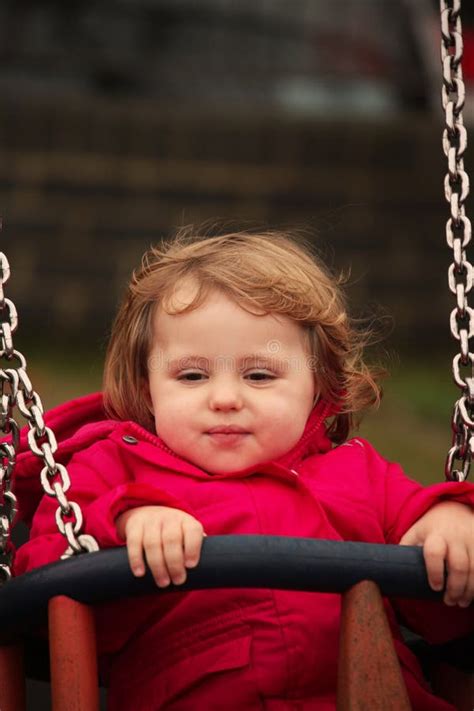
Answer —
124 118
295 55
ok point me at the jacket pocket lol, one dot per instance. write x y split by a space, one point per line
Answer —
212 677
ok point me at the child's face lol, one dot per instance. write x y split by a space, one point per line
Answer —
220 365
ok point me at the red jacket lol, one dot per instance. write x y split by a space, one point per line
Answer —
233 649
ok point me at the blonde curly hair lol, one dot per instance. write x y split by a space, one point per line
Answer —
271 270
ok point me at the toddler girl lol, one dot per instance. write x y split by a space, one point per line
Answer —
232 381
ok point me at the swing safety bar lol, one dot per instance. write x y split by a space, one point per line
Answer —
278 562
369 673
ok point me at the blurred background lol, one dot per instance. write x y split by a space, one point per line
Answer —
124 119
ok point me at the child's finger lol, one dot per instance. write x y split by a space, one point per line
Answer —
435 550
172 537
193 534
458 568
134 542
410 538
155 558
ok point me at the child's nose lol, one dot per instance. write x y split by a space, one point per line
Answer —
226 396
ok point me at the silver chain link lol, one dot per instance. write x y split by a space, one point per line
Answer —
458 236
16 391
9 430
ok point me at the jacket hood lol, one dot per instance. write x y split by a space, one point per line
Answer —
80 423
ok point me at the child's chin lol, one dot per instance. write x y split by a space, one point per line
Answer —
235 468
223 470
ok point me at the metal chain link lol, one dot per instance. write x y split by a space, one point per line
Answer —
16 390
9 430
458 236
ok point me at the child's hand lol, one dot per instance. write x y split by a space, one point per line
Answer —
170 538
446 533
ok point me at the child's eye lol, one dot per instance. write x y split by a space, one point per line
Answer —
196 377
261 376
191 377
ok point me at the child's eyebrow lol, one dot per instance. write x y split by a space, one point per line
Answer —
187 360
260 356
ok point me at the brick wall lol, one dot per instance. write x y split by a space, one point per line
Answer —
86 187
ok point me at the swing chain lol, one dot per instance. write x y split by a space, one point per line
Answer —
458 236
9 430
16 390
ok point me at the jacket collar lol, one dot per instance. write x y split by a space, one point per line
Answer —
314 440
81 422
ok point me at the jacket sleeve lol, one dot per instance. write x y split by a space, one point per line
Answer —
402 501
102 488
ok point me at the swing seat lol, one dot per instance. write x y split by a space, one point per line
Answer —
369 673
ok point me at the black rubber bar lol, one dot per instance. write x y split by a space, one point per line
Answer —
226 562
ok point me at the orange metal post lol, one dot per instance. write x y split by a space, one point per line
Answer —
12 678
73 656
369 675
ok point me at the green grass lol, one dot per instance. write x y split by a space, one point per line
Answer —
62 376
412 425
